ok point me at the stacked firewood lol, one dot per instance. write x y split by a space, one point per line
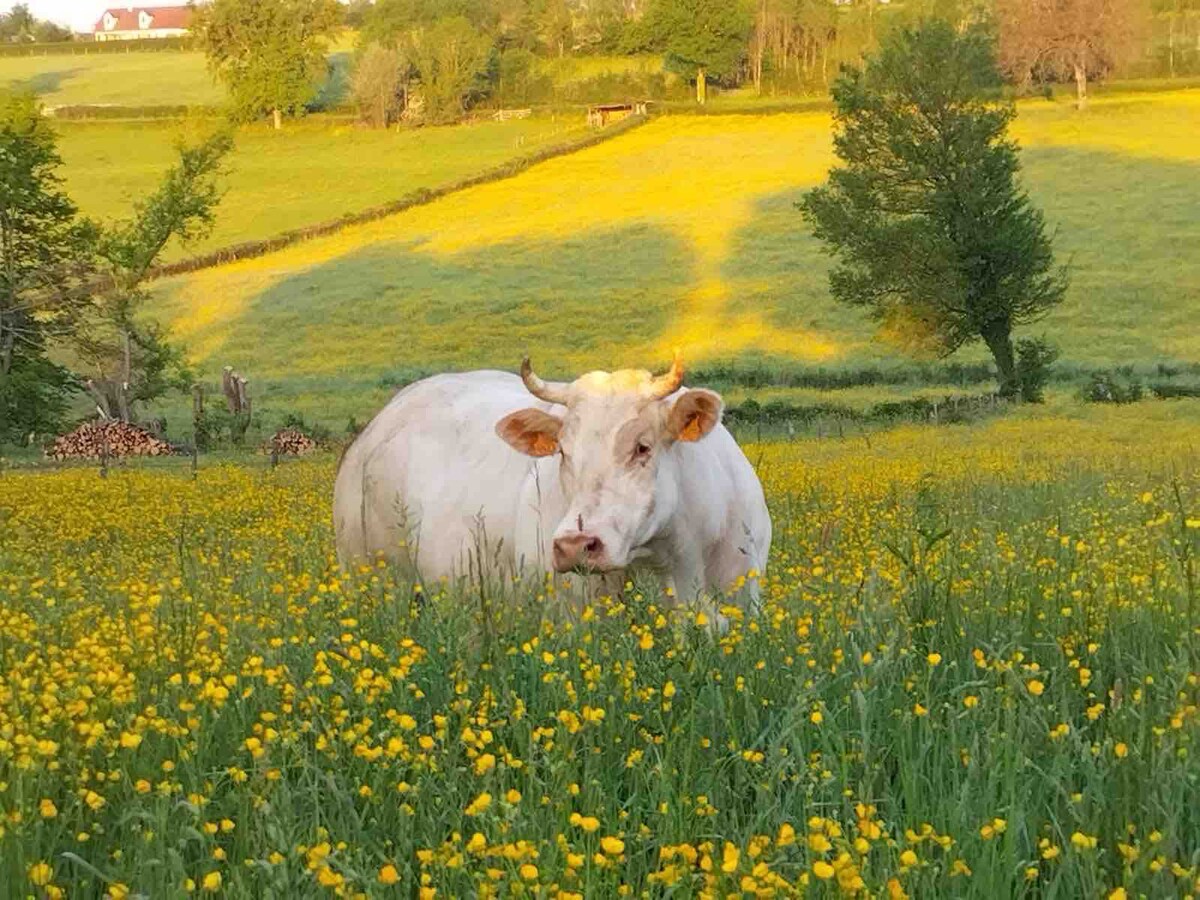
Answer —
93 440
291 442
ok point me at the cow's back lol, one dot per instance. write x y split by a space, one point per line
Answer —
428 481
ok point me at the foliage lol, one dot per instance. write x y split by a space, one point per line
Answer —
129 359
1166 390
518 80
19 25
378 84
390 20
449 56
977 647
44 259
270 54
700 38
35 396
930 230
1035 357
1112 387
216 428
1077 39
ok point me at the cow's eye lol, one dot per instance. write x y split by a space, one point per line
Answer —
641 450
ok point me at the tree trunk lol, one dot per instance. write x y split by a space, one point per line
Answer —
8 343
277 113
1081 98
701 87
1171 44
998 337
760 41
122 387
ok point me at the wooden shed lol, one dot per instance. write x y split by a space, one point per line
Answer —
607 113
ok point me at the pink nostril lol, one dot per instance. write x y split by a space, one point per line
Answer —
576 549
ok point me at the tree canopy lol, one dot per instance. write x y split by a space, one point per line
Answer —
44 259
699 38
1076 39
929 229
270 54
128 359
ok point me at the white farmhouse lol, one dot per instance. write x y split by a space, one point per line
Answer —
131 23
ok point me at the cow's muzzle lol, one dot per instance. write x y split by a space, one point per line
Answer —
580 551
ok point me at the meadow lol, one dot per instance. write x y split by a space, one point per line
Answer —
314 171
976 674
147 78
684 233
166 78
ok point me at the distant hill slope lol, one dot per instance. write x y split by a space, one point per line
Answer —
684 232
310 172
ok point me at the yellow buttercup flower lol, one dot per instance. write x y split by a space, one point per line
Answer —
40 874
612 846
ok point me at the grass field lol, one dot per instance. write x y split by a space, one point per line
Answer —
168 78
977 674
181 78
312 172
684 233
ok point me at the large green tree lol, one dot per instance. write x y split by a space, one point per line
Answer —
924 216
269 53
44 260
449 57
700 39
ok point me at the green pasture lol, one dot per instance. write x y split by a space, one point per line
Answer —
311 172
165 78
684 233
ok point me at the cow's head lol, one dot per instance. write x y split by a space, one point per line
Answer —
618 440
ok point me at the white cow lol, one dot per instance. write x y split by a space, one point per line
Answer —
616 469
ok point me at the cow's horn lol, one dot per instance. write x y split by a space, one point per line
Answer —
551 392
668 383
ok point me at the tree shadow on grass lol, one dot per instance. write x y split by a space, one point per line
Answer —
592 299
43 82
777 269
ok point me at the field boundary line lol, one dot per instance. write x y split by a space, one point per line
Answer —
420 197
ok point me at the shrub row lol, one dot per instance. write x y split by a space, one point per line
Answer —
762 373
1123 386
948 410
96 111
93 48
755 374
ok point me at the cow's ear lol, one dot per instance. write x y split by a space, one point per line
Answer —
694 415
531 431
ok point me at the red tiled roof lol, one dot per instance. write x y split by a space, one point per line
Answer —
161 17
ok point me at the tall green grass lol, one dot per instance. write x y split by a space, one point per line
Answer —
976 674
